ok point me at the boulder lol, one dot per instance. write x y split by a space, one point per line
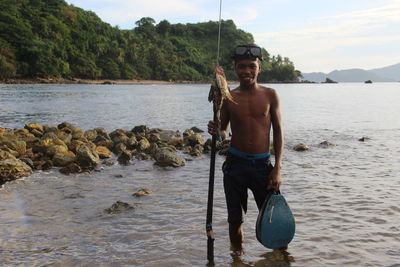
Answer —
87 156
326 144
140 129
197 150
90 135
103 133
63 158
34 127
11 142
190 138
103 152
154 137
196 130
71 168
166 157
12 168
124 157
118 207
301 147
143 144
142 192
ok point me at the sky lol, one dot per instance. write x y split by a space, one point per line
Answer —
316 35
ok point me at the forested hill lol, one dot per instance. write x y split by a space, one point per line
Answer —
50 38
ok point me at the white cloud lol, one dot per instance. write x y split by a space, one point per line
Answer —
338 41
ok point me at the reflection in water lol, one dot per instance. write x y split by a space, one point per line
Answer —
276 258
344 197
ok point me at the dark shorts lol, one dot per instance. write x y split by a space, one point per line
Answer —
239 175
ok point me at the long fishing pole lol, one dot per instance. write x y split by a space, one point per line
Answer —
210 232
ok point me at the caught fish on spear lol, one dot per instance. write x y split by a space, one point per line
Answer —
219 92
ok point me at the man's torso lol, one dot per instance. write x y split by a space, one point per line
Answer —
250 119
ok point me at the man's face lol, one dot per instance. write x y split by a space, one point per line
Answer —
247 70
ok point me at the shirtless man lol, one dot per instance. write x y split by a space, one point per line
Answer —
254 110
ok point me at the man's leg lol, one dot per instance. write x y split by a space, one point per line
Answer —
236 236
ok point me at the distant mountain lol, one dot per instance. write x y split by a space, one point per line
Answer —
391 72
385 74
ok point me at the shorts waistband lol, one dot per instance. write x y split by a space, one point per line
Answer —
249 156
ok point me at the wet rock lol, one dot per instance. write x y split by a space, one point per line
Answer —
65 125
197 150
326 144
140 129
43 165
154 137
176 142
103 152
118 207
190 138
29 162
301 147
78 134
100 141
64 135
90 135
142 156
56 149
47 141
124 157
35 127
132 142
12 168
119 148
364 138
61 159
196 130
119 136
143 144
103 133
6 155
166 157
87 156
142 192
167 135
71 168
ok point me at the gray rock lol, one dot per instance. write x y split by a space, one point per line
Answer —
165 157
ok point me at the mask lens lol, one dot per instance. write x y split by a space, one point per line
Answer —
255 51
241 50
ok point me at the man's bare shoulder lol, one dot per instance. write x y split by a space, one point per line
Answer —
267 89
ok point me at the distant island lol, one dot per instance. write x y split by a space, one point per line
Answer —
52 41
386 74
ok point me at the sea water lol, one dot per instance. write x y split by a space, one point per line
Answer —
345 197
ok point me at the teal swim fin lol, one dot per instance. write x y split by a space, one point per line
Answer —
275 225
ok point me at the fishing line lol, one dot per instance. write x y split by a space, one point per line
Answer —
219 30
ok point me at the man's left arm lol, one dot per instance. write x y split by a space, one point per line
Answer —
277 128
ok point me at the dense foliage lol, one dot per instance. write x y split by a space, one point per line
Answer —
50 38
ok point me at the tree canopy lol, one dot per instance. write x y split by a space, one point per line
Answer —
50 38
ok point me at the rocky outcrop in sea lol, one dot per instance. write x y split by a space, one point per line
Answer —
73 150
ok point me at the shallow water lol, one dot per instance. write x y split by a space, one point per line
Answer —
345 198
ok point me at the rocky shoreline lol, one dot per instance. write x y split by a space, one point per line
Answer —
88 81
73 150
